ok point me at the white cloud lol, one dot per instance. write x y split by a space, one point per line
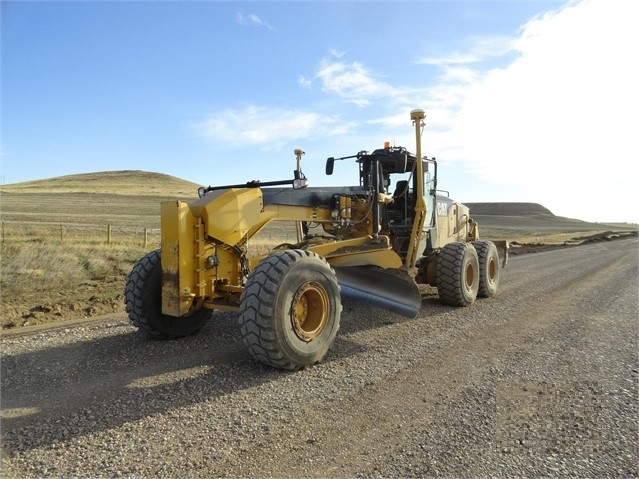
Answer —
304 82
560 121
336 53
480 49
270 127
351 81
453 59
356 84
253 20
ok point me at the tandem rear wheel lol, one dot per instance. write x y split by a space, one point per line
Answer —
458 274
488 268
466 271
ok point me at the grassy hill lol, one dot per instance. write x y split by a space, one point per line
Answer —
124 182
121 198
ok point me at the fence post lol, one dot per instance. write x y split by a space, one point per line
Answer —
61 233
3 231
109 234
145 237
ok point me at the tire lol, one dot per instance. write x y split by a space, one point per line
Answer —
290 310
143 297
488 268
458 274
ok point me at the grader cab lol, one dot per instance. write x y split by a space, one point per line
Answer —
379 241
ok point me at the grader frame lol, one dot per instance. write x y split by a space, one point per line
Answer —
372 245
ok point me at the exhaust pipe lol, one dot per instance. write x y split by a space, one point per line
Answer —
390 290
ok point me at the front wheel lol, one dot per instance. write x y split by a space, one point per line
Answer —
458 274
143 296
290 309
488 268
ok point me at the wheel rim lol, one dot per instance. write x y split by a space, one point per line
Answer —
309 311
492 270
470 276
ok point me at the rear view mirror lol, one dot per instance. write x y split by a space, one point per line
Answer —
330 163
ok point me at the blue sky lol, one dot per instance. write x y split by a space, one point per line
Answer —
525 100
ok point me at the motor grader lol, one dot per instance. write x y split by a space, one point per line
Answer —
370 242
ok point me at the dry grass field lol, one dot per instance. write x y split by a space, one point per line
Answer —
68 243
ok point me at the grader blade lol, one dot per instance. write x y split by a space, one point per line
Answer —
390 290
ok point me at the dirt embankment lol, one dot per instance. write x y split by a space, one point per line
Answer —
63 311
517 248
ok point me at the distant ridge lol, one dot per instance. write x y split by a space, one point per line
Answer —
508 209
121 182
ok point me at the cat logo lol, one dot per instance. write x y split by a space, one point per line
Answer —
442 208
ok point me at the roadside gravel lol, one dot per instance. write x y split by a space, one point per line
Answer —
541 380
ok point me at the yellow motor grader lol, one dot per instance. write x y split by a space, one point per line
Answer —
368 241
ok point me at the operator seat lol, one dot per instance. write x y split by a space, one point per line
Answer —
401 189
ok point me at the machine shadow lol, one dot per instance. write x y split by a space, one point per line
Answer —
99 384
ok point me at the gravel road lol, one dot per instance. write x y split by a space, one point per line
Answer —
541 380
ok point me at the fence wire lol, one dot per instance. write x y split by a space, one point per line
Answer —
18 231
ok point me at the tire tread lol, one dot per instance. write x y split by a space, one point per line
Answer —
257 308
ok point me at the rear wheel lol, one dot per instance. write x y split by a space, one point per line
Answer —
488 268
458 274
290 309
143 297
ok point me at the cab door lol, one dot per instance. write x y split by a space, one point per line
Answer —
429 238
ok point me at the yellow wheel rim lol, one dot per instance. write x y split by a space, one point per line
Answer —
492 270
470 276
309 311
